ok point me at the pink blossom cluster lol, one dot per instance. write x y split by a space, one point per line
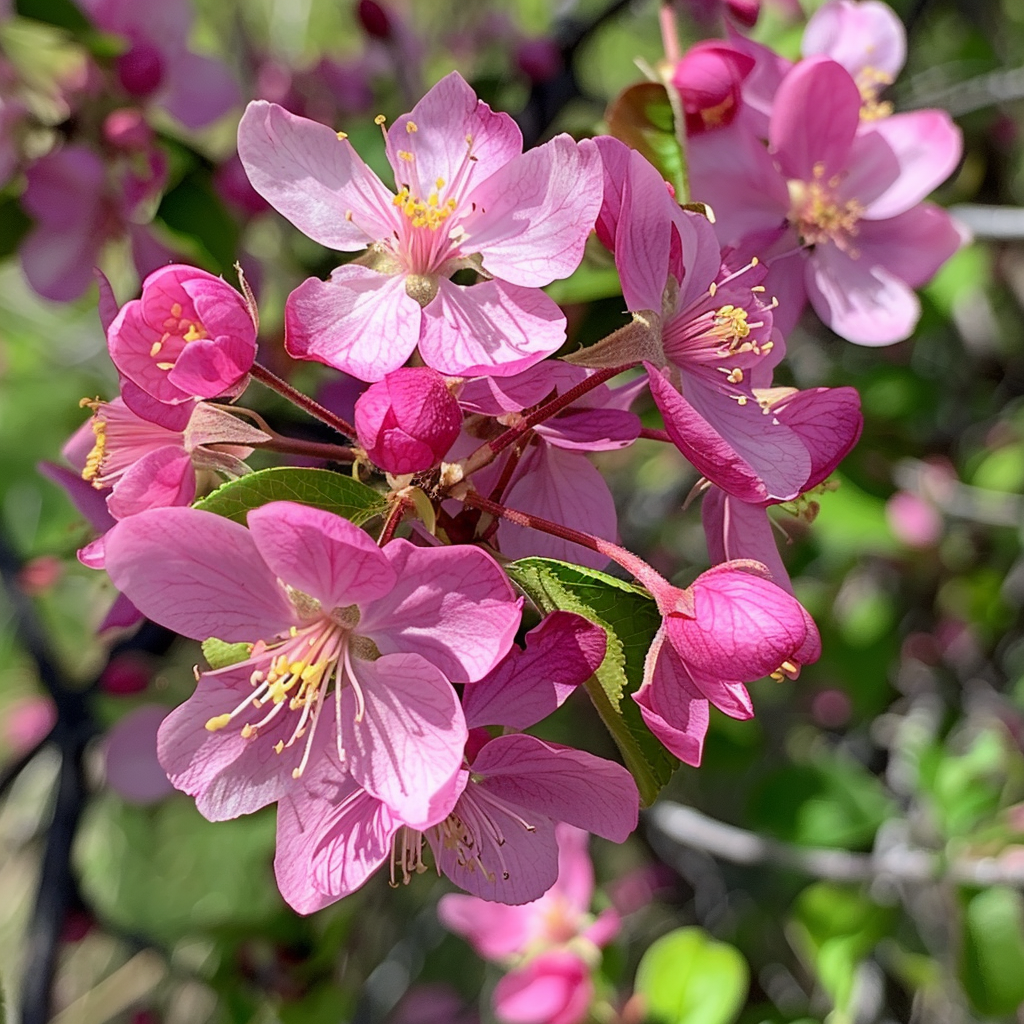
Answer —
380 691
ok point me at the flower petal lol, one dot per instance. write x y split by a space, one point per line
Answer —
160 478
321 554
314 178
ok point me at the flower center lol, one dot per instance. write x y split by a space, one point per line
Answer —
871 81
176 328
819 216
122 438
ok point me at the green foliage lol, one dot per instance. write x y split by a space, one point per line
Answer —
686 977
836 927
220 654
992 964
320 488
14 225
630 620
193 210
167 872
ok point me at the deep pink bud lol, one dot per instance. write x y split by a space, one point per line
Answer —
126 674
127 129
374 19
408 421
709 78
539 59
744 11
140 70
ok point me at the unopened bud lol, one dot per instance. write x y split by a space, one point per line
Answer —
408 421
374 19
709 78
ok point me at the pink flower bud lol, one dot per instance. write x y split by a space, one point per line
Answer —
140 70
408 421
744 11
127 129
126 674
374 19
709 78
539 59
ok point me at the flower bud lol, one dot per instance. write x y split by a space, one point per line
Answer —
140 70
709 78
408 421
374 19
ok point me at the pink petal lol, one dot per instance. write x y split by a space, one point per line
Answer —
210 367
129 754
865 304
89 501
575 885
615 161
107 306
443 119
359 321
331 836
408 745
814 119
671 706
130 339
145 406
200 90
912 245
928 146
532 218
864 35
553 988
58 261
564 487
122 615
494 930
828 421
561 783
198 574
321 554
159 479
736 530
591 430
561 653
313 178
489 328
453 606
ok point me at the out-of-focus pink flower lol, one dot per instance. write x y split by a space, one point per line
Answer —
914 521
831 709
835 203
468 199
191 335
158 65
744 12
128 129
129 755
126 674
232 185
729 627
434 1003
383 630
539 59
39 574
408 421
553 988
27 722
709 78
868 39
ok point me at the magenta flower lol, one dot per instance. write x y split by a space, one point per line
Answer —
327 612
494 830
191 335
728 628
709 77
468 199
151 461
835 202
408 421
553 988
159 66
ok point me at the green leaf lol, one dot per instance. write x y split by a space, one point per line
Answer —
630 619
687 977
642 117
319 488
992 968
220 654
193 208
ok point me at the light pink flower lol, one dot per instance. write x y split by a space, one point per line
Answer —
728 628
191 335
834 203
408 421
468 198
382 631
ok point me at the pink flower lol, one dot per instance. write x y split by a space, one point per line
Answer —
191 335
728 628
709 78
494 831
327 612
150 462
468 199
835 202
159 66
129 755
553 988
408 421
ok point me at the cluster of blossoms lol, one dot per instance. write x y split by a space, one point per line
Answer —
375 690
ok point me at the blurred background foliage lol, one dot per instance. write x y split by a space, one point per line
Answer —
904 742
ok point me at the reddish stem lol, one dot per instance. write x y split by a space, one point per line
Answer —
644 574
489 450
311 449
669 32
304 402
395 516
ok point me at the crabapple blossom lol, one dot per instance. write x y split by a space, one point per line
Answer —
729 627
467 198
709 77
383 631
408 421
190 335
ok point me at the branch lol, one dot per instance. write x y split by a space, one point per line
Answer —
690 828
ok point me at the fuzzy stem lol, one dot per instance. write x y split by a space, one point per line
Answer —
312 449
395 515
304 402
490 450
641 571
669 32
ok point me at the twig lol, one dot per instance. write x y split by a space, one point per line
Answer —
271 380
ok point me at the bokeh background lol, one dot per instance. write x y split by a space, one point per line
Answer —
874 867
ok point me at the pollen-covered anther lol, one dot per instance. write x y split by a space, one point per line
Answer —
787 670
